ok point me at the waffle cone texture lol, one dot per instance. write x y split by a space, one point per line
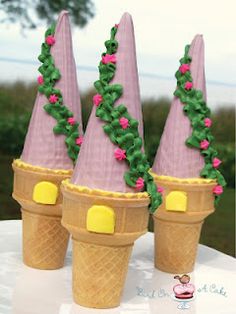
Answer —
177 233
44 239
100 261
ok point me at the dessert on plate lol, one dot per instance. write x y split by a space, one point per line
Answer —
51 147
186 167
105 204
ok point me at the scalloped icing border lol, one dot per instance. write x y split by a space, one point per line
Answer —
23 165
98 192
183 180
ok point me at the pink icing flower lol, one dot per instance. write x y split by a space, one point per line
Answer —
218 189
50 40
204 144
139 184
120 154
208 122
124 123
40 79
97 99
79 140
71 120
216 162
160 189
116 25
109 58
53 99
188 85
184 68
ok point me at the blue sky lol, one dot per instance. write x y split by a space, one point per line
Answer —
162 30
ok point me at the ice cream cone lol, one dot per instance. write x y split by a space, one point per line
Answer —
96 260
100 261
177 233
104 214
187 197
44 239
45 160
42 146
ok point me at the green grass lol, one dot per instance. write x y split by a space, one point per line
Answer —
219 228
9 208
217 231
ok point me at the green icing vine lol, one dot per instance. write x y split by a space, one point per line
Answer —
66 124
195 108
127 139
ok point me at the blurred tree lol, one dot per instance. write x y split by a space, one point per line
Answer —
223 127
17 99
23 11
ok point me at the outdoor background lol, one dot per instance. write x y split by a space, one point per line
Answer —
162 30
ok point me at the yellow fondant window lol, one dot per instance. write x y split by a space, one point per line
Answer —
101 219
45 193
176 201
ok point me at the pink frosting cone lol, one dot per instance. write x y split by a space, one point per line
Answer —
97 167
42 147
173 157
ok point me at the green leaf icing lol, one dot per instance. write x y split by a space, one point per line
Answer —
195 108
127 139
57 110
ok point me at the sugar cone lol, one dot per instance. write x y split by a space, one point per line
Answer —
42 146
106 172
100 261
45 158
177 233
44 239
174 158
100 257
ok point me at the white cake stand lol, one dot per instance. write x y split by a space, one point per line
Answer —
183 303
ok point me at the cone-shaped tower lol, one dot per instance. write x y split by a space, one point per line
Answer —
96 166
181 170
43 147
103 219
174 158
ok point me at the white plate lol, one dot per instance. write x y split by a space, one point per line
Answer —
24 290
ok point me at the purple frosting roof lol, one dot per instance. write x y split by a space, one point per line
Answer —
96 166
42 147
173 157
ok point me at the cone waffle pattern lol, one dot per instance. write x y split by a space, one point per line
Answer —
100 261
176 246
99 274
44 238
97 167
42 147
177 233
174 158
44 241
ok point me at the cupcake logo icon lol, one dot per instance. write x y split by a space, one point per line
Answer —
183 292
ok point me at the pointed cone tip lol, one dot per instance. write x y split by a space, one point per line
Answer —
108 173
197 40
126 17
177 159
42 147
63 15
